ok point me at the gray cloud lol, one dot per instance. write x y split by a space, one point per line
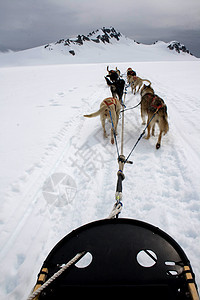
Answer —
30 23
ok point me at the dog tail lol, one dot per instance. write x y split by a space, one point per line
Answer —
165 120
108 81
95 114
147 81
166 124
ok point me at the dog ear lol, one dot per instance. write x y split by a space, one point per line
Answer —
118 71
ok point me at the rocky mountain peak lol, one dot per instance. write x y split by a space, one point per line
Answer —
104 36
178 47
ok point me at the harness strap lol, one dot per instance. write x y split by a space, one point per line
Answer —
158 107
153 100
113 101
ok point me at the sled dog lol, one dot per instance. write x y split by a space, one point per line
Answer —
116 87
150 103
109 104
130 74
137 81
115 83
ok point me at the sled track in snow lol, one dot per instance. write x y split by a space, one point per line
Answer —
160 187
38 173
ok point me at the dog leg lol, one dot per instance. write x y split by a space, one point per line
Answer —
148 135
103 126
148 130
112 132
115 127
143 118
153 130
159 140
140 84
132 86
114 94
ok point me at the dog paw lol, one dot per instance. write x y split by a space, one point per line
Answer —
157 145
112 141
143 123
147 137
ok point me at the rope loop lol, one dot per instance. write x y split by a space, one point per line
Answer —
117 208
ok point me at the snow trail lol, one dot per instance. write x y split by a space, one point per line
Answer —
68 155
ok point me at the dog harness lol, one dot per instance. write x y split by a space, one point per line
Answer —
157 107
113 101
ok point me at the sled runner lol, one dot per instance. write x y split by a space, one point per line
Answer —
123 256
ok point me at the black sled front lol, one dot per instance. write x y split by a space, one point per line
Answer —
121 256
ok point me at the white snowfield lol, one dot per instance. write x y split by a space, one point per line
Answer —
58 172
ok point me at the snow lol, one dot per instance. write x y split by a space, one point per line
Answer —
46 143
90 52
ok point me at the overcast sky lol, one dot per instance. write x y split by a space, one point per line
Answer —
30 23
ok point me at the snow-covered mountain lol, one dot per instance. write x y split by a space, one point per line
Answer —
102 45
103 35
106 36
178 47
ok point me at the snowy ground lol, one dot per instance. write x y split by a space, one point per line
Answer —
58 172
